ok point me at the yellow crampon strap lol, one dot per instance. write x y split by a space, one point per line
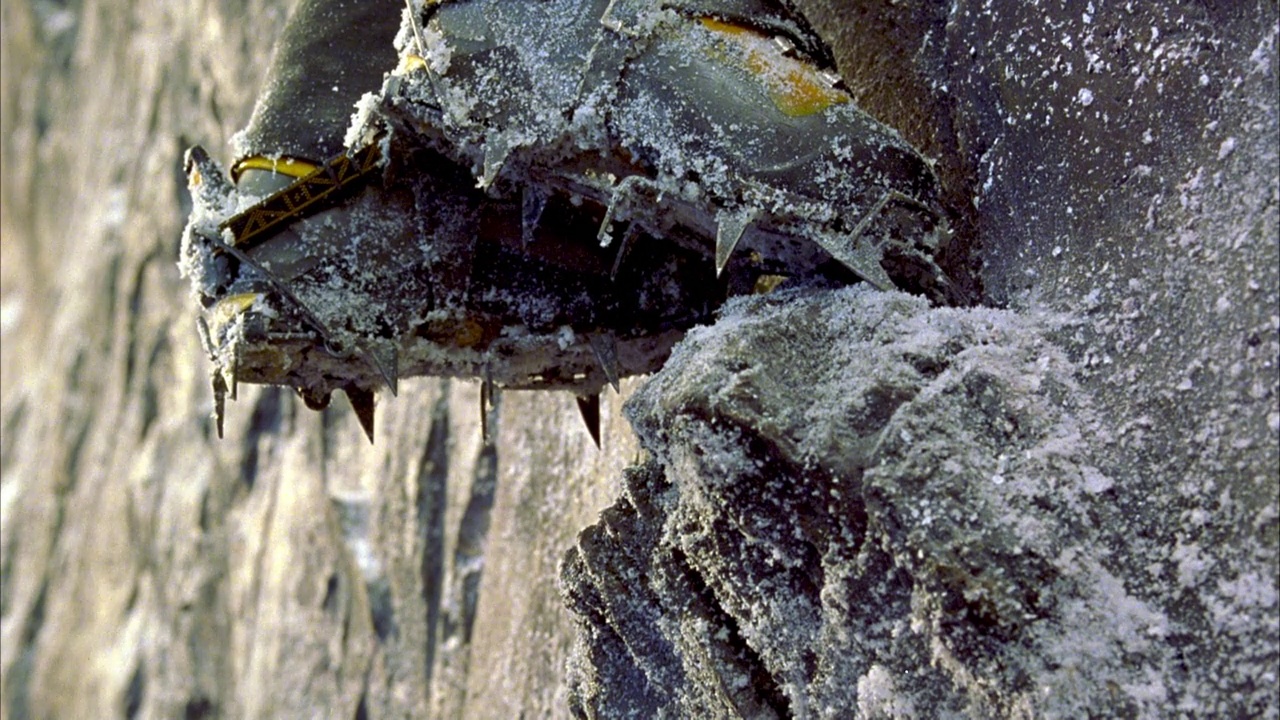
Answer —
321 188
293 167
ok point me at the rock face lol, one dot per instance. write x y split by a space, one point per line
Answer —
840 502
290 570
927 533
857 506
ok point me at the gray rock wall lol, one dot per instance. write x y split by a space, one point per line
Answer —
840 545
290 570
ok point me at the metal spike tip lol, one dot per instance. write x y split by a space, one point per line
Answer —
385 359
860 256
362 402
628 237
729 230
234 370
621 194
206 339
486 404
605 233
606 350
863 260
589 408
219 400
496 151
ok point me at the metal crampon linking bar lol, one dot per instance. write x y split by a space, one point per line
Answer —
325 187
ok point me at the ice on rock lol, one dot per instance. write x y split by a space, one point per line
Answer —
1094 481
1226 148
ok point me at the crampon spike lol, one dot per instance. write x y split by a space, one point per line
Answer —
589 408
486 405
362 402
606 350
385 359
219 400
730 229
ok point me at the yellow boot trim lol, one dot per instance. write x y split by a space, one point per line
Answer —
797 88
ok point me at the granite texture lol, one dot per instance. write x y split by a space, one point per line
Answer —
838 503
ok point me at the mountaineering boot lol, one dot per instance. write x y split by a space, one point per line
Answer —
544 195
